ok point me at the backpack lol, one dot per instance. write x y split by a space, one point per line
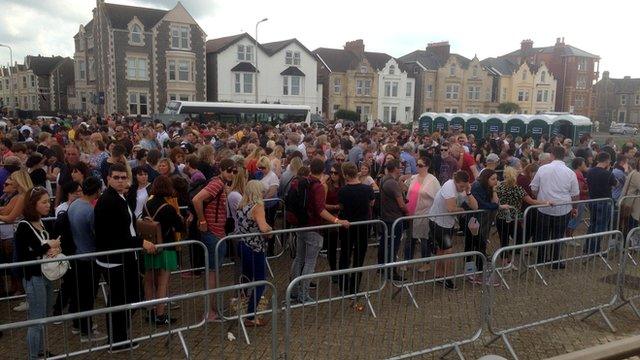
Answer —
148 228
297 198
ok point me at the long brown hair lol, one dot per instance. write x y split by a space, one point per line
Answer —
33 195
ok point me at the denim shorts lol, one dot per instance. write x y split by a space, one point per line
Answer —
210 241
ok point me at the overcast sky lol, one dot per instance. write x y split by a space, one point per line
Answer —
486 28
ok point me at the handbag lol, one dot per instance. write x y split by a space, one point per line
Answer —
230 223
53 270
625 208
149 229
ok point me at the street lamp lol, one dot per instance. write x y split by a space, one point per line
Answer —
257 71
11 100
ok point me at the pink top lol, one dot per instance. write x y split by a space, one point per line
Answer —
412 196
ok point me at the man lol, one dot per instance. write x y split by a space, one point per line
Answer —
392 206
408 158
309 243
191 169
71 157
620 173
601 183
115 229
161 134
148 140
555 183
355 155
117 157
210 205
491 162
81 223
454 196
448 165
9 165
465 161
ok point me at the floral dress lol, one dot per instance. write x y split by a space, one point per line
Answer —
246 225
510 195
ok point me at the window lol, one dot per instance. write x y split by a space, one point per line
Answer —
387 88
137 68
32 80
138 104
81 44
581 82
553 95
292 58
452 70
545 96
539 96
2 87
291 85
504 94
452 91
183 70
475 70
394 89
180 70
366 110
429 92
621 116
394 114
524 75
392 70
637 99
543 76
409 89
337 85
243 83
623 99
416 70
474 92
363 69
390 114
90 42
24 82
245 52
92 70
582 64
579 101
363 87
336 108
136 34
180 37
523 95
180 97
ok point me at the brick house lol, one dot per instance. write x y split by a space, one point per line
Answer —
617 100
139 58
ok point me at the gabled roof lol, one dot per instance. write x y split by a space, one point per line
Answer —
292 71
628 85
431 60
221 44
244 67
42 65
565 50
89 27
499 66
340 60
273 47
120 15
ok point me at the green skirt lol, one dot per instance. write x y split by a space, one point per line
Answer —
166 260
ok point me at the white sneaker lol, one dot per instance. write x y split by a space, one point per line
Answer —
76 331
94 336
23 306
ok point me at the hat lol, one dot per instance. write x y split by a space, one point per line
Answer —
492 158
11 160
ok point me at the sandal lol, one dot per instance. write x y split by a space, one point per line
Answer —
254 322
358 307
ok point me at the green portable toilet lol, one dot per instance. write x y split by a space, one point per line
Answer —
494 124
475 126
516 126
581 125
539 125
425 124
564 124
441 123
457 122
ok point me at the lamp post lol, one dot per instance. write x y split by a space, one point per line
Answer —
11 100
257 71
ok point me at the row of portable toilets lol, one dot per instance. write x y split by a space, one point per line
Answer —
572 126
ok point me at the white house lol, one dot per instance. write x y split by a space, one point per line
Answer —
395 94
282 72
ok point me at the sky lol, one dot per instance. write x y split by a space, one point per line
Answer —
483 28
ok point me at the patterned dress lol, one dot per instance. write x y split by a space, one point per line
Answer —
246 225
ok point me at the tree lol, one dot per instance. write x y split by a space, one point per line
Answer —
508 108
347 115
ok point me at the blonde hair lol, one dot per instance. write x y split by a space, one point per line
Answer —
252 194
510 176
239 180
22 180
264 162
169 163
271 144
296 164
206 153
278 151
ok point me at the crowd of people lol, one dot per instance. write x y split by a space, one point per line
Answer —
99 176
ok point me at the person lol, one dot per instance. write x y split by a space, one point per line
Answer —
236 190
161 134
556 183
35 164
251 219
117 157
115 229
448 165
630 207
422 189
138 193
32 243
87 274
191 169
579 166
71 157
160 207
355 200
210 205
270 183
620 169
407 156
331 187
289 174
454 196
165 167
70 192
309 243
601 183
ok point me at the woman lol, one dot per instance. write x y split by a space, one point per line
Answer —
206 155
139 191
276 160
79 172
423 188
290 173
483 190
177 157
251 161
355 200
33 243
630 208
99 153
364 176
35 166
236 190
524 181
512 194
269 180
251 219
162 207
70 192
331 187
165 167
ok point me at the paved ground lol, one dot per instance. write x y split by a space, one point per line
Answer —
334 330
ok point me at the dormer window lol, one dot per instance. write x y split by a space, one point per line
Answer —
136 32
363 69
452 70
292 58
543 76
245 53
392 70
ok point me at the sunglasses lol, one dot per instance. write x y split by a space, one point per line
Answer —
421 165
118 178
444 149
233 170
338 159
262 168
333 172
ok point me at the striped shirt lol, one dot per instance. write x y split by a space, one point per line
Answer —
218 199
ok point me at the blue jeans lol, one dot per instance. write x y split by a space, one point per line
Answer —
600 220
39 291
575 222
308 245
392 240
253 269
210 242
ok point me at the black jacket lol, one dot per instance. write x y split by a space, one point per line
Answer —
28 248
113 217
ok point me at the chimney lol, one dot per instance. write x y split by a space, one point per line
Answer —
559 41
440 49
605 75
526 45
355 46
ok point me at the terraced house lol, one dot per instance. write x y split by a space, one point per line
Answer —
133 60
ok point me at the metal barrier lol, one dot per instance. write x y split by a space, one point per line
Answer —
65 349
570 276
625 224
629 272
331 325
83 277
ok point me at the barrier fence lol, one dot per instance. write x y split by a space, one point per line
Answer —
629 289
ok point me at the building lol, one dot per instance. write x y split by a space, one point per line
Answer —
240 70
133 60
575 71
616 100
373 84
53 76
20 83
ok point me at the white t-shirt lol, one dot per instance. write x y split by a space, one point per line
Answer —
141 198
447 191
269 180
233 199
